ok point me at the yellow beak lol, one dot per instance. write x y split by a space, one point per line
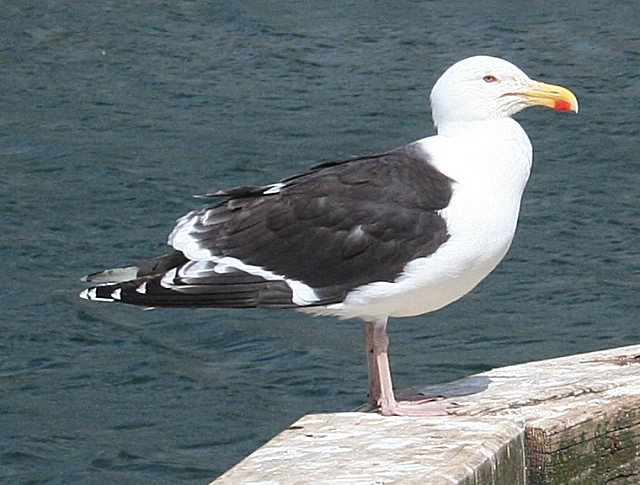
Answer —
551 96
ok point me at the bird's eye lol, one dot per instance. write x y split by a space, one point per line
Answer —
490 79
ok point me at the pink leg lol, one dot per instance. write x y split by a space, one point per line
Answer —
380 390
373 389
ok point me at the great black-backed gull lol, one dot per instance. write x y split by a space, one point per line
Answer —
393 234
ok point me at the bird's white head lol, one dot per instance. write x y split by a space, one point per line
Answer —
482 88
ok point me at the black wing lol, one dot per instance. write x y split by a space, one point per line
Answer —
338 226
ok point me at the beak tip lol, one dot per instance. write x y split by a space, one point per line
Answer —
565 105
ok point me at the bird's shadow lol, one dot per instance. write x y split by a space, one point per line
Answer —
461 387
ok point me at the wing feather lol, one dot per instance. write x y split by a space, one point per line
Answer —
307 240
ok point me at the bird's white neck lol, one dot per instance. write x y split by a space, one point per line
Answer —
493 148
498 126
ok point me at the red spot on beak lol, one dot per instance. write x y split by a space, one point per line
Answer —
561 105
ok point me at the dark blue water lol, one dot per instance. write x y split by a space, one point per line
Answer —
112 114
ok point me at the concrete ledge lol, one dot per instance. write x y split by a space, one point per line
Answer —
572 420
365 449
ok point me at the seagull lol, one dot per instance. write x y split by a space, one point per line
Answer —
394 234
